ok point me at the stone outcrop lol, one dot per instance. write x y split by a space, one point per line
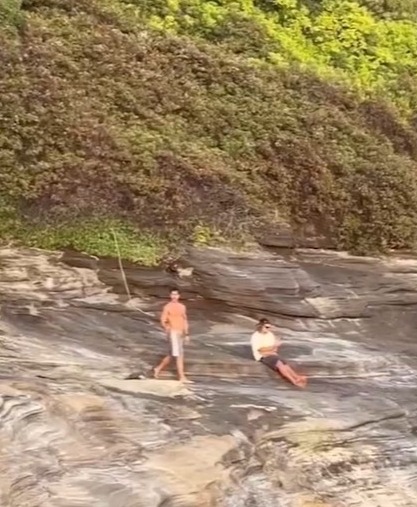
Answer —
82 424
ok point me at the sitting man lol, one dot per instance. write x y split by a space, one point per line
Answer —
265 349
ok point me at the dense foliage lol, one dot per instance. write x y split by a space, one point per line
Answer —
336 38
196 120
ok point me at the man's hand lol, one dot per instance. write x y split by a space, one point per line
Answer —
268 350
187 338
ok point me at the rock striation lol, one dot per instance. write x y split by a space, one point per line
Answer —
83 424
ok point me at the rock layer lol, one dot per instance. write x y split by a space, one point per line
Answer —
81 425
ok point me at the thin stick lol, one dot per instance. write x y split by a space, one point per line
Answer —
122 271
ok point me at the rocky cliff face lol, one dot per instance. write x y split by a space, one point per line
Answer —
82 425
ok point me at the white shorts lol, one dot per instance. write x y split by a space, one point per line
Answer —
176 344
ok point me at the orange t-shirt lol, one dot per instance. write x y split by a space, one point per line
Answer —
174 317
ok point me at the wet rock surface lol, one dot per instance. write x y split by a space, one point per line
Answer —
82 424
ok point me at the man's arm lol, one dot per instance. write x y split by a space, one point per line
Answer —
268 350
186 327
271 350
164 318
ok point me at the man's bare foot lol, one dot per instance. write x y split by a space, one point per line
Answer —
302 382
155 373
185 380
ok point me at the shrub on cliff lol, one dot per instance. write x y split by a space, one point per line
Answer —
10 13
339 39
114 114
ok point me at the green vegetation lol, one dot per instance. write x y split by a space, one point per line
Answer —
10 16
338 39
97 236
173 121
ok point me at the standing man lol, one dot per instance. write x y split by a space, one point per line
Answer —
175 323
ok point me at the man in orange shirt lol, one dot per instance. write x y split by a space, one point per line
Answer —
175 323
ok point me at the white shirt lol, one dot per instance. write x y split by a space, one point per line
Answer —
259 341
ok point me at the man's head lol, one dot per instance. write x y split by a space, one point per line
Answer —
264 326
174 294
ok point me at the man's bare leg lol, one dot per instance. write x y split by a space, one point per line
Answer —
180 370
161 366
288 373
